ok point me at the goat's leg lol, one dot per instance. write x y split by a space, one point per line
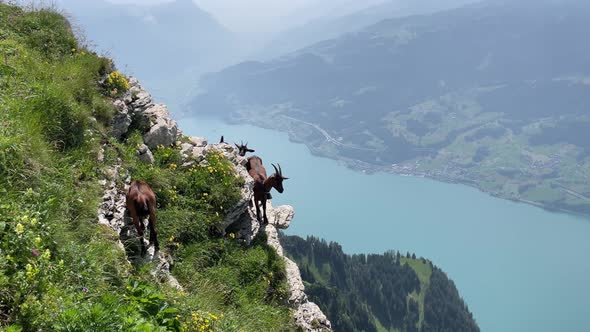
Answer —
264 209
138 226
257 210
135 218
152 226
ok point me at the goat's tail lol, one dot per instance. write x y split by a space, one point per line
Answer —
142 205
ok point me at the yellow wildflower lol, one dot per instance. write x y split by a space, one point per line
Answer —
30 272
47 254
19 229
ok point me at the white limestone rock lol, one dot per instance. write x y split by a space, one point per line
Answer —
145 155
144 119
142 99
280 216
164 133
121 123
198 141
311 318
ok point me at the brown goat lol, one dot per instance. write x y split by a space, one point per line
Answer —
243 148
141 202
263 184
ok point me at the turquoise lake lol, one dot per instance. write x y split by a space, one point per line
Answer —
518 267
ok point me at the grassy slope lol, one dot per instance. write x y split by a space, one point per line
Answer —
60 270
423 271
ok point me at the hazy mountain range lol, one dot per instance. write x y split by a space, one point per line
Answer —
494 94
165 45
332 25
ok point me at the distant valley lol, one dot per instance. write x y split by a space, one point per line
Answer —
494 95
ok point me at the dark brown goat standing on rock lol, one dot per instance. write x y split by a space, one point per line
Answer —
243 149
264 184
141 202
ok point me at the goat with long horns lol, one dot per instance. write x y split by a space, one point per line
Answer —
263 184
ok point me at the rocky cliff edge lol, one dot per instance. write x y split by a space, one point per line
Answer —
136 109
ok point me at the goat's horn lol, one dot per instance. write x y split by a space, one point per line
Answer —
280 170
276 170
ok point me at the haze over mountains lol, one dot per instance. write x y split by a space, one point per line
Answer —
167 45
331 26
494 94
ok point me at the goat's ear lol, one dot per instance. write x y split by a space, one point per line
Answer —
285 179
236 144
251 150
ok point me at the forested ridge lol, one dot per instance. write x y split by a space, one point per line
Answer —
378 292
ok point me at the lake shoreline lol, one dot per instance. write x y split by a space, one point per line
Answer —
401 170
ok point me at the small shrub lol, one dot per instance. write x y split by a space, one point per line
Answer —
116 84
202 321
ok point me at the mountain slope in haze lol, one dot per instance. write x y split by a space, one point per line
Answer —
494 95
332 26
378 292
165 45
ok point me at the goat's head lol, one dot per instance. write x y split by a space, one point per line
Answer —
278 178
243 148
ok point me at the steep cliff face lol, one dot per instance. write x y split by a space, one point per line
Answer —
136 110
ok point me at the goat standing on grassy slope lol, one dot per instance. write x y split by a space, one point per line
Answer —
263 184
141 202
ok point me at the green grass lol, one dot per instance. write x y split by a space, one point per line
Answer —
424 271
59 269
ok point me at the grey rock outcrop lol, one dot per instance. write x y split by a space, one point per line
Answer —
121 120
144 154
164 132
141 99
307 314
198 141
136 109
